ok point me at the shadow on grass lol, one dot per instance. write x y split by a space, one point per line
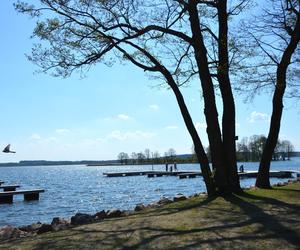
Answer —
271 224
217 232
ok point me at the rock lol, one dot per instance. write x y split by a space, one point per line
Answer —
100 215
9 232
79 219
139 207
44 228
59 223
179 197
164 201
31 228
114 213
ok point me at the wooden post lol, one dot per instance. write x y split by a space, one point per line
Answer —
6 199
30 197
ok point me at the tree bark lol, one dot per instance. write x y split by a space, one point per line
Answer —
228 119
263 180
199 150
210 109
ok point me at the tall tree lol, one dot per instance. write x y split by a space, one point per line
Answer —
168 39
281 22
272 46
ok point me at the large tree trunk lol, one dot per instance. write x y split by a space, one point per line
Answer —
199 150
210 109
228 119
263 180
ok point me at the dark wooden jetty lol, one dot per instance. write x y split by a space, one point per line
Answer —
122 174
193 174
9 187
148 173
29 195
273 174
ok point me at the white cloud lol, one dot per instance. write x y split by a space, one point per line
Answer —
118 135
51 139
200 125
35 137
171 127
62 130
123 117
258 117
154 107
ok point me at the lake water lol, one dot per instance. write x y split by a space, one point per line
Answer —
72 189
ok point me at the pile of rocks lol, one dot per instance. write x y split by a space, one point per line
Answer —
9 232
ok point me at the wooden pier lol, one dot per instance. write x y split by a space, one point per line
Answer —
122 174
10 190
193 174
29 195
9 187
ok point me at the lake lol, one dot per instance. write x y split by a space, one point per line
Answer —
72 189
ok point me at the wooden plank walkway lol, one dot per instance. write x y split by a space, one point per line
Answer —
7 197
9 187
193 174
122 174
148 173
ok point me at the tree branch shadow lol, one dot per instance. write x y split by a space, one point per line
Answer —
269 222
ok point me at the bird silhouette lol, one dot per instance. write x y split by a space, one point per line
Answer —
7 149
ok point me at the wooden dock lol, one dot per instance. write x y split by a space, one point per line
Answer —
149 173
122 174
193 174
10 190
9 187
29 195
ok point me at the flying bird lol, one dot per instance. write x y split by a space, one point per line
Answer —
7 149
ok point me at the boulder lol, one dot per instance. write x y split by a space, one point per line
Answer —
139 207
179 197
59 223
79 219
31 228
9 232
44 228
164 201
114 213
100 215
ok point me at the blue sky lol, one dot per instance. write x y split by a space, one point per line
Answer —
112 109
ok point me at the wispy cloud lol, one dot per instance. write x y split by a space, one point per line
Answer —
258 117
62 131
35 136
154 107
118 135
123 117
51 139
171 127
200 125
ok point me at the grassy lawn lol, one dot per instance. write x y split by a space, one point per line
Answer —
258 219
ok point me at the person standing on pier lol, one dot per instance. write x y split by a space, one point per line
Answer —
166 167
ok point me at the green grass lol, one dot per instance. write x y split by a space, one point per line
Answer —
257 219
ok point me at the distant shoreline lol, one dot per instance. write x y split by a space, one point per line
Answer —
96 163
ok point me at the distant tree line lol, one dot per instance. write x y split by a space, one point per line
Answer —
251 149
153 157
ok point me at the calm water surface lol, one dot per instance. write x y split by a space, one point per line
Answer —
72 189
